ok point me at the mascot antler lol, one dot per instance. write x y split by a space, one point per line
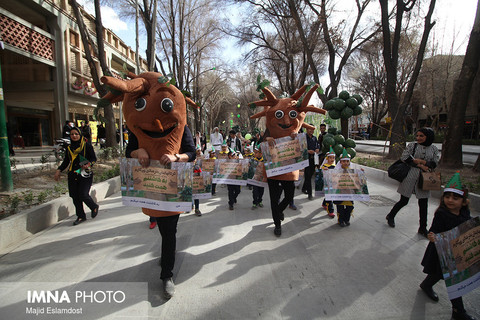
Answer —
286 115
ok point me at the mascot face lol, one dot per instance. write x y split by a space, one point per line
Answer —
285 116
155 112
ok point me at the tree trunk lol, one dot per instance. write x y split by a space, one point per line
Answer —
452 146
476 167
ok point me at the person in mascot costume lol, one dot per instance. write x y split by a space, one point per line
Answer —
156 115
285 117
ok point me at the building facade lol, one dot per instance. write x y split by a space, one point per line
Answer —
46 78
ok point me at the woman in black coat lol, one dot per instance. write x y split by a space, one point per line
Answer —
453 211
79 158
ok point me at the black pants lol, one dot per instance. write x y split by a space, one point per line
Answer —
257 194
233 192
168 230
307 183
432 279
197 204
276 187
329 205
214 185
344 212
422 206
79 191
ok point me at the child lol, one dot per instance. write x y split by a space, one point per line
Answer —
344 208
196 171
453 211
257 191
233 190
329 163
223 154
212 154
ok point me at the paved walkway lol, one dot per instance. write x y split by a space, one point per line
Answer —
231 266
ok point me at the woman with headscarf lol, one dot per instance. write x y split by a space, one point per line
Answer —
422 155
79 158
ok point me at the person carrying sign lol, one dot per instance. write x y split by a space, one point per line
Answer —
453 211
285 117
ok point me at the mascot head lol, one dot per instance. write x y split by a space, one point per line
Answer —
286 115
155 110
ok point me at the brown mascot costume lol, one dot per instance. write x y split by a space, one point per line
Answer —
156 116
285 117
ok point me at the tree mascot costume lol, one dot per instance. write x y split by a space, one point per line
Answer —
285 117
156 113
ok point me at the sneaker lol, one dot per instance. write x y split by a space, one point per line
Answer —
198 213
277 231
341 224
429 292
331 215
310 197
95 211
347 223
78 221
230 207
168 288
260 205
153 224
293 207
214 194
254 207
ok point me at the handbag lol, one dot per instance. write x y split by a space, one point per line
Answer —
399 169
430 180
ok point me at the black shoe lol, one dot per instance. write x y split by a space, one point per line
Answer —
390 221
78 221
342 224
230 207
423 232
304 191
429 292
95 211
347 223
310 197
277 231
461 315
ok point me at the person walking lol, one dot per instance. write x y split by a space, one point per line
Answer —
422 155
313 149
87 132
216 139
79 158
453 211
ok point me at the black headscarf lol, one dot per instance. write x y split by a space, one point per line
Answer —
75 144
429 133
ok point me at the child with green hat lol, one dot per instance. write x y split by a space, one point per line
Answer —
233 190
344 208
453 211
328 163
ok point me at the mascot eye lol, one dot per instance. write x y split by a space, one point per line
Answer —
279 114
167 105
293 114
140 104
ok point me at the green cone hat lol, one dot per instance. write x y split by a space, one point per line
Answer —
331 152
345 155
454 185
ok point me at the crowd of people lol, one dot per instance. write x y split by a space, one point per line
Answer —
422 155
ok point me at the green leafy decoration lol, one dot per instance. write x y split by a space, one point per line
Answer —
252 106
186 93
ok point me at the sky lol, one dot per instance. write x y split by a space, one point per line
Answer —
454 20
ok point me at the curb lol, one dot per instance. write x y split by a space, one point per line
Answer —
382 176
23 225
